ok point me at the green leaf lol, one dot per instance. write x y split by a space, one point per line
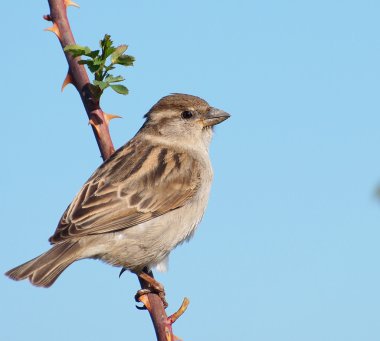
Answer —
112 79
108 52
98 60
120 89
93 65
92 54
94 68
106 42
118 52
90 64
109 68
106 45
86 62
77 50
97 63
125 60
100 84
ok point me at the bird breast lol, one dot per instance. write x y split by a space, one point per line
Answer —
149 243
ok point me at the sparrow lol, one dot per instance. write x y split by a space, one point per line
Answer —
142 202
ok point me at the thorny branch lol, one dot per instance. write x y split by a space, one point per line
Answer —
77 75
99 121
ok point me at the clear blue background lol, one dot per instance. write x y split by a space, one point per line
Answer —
289 247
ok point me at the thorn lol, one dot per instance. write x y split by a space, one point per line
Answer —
71 3
174 317
47 17
67 81
55 30
109 117
176 338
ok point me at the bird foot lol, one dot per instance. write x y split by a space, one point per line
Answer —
152 287
142 292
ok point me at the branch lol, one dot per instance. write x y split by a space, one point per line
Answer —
77 75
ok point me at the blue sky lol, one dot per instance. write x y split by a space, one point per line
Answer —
289 247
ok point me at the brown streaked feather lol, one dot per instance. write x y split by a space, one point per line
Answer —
43 270
130 196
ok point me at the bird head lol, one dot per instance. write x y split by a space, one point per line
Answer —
184 118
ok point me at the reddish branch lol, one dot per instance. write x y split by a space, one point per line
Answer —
77 75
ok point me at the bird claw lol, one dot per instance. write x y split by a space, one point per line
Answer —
140 293
141 308
122 271
141 297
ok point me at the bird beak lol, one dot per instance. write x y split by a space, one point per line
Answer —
215 116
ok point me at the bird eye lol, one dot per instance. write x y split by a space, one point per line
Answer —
187 114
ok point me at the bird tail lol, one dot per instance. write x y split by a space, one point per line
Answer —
43 270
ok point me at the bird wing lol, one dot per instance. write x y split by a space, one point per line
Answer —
136 184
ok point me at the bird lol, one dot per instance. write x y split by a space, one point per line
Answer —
142 202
